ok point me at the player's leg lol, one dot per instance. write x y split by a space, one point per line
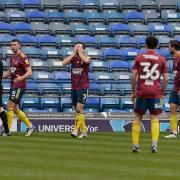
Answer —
10 113
82 96
139 109
155 108
77 123
173 101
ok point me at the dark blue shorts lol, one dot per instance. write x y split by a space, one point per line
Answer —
79 96
174 98
153 105
16 95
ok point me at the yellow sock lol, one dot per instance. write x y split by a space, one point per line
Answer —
77 123
155 129
82 124
136 128
10 115
21 115
173 122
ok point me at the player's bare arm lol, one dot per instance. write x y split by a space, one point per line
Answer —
6 74
133 84
67 60
164 83
25 76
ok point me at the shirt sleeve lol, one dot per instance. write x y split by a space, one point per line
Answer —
25 62
136 64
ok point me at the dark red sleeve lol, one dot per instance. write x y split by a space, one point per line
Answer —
136 63
25 62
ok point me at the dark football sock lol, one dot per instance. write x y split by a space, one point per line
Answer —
4 121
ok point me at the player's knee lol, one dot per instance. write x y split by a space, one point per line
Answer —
79 109
173 109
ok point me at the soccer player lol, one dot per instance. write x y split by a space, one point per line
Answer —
148 67
3 115
174 99
19 70
80 83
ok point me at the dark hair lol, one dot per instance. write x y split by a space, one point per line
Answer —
82 44
152 42
16 40
175 44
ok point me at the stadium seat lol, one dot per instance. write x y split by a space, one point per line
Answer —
171 18
70 5
50 104
50 6
94 89
7 52
126 104
123 77
75 18
141 41
42 75
5 64
140 29
51 53
59 29
30 102
100 29
175 30
166 105
36 16
99 66
40 28
6 40
27 40
32 88
134 17
11 4
128 5
66 103
89 6
80 29
22 28
104 77
56 65
113 103
94 18
6 87
15 16
62 76
92 103
147 4
106 89
116 66
125 88
125 42
56 17
112 54
164 41
95 54
160 29
165 52
152 16
29 5
106 42
38 65
120 29
65 40
109 5
5 28
130 53
66 51
32 52
89 41
65 89
47 41
2 16
114 17
166 4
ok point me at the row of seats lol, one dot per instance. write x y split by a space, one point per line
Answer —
127 54
94 4
88 17
65 104
114 29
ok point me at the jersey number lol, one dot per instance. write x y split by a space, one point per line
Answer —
152 73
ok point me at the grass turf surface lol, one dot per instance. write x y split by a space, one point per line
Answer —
104 156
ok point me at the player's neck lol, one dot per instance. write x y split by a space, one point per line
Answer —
151 50
17 52
177 53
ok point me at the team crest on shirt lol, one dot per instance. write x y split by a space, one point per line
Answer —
26 61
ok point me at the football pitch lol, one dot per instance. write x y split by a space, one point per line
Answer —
105 156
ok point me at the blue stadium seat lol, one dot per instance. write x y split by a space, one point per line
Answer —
125 89
94 88
66 103
5 28
140 29
62 76
56 17
50 6
166 105
47 41
33 4
27 40
32 52
30 102
113 103
89 5
106 42
6 87
70 5
3 16
141 41
128 5
100 29
32 88
126 104
114 17
11 4
39 28
66 88
134 17
160 29
89 41
106 89
99 66
6 50
125 42
112 53
171 18
109 5
36 16
165 4
92 77
75 17
66 51
48 88
51 104
165 52
120 29
95 54
104 77
95 17
147 4
42 75
59 28
22 28
170 66
175 30
116 89
6 39
80 29
123 77
56 65
177 38
5 63
130 53
51 53
164 41
66 40
38 65
5 99
116 66
92 103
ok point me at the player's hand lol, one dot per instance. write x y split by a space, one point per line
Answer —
133 98
80 50
17 79
75 50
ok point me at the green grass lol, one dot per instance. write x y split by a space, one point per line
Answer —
105 156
